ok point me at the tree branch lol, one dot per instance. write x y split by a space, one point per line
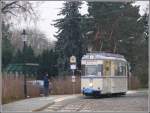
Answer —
10 12
7 5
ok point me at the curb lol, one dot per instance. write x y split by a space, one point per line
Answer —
43 107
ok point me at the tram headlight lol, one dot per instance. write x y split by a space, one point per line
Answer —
91 84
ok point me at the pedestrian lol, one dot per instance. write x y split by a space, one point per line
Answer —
46 84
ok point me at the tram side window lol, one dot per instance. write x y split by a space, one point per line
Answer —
120 69
100 70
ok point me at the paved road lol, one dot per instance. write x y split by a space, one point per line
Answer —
132 101
34 104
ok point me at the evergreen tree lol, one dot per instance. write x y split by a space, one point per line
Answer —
141 67
118 28
47 61
7 48
25 56
18 57
70 40
8 51
28 55
113 22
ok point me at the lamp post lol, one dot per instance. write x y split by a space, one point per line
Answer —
24 39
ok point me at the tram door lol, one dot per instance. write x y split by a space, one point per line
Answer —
107 77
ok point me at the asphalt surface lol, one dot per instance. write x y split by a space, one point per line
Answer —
132 101
34 104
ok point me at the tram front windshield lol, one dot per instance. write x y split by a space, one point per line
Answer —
91 70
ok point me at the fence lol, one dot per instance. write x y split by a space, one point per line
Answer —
133 83
64 85
13 86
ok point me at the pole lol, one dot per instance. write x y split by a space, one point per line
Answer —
25 86
25 81
1 63
73 83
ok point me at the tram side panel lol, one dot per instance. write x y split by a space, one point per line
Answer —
118 85
118 82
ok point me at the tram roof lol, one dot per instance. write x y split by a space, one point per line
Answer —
102 55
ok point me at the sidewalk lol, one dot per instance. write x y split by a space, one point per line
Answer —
142 91
34 104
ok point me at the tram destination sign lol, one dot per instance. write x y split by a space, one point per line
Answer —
91 62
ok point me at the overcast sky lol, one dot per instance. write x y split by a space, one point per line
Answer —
48 11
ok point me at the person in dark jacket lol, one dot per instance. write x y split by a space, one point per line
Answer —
46 85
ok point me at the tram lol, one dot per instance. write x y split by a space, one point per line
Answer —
104 73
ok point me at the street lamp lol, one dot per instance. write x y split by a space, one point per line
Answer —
24 39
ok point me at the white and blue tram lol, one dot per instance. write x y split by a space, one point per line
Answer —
104 73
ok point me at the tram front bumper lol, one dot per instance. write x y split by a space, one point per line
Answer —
90 91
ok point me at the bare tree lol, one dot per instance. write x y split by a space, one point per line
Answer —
18 9
35 38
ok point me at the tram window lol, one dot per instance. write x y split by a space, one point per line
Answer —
91 70
100 70
120 69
